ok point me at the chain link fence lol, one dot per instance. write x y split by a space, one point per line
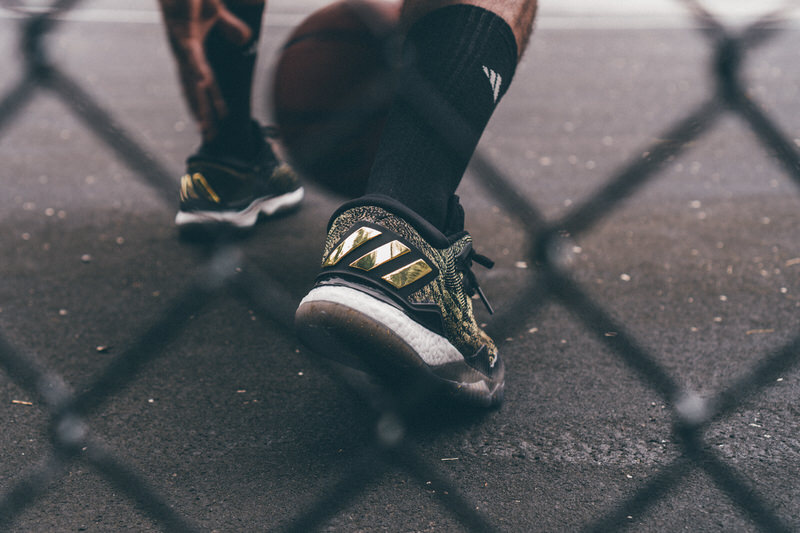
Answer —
72 439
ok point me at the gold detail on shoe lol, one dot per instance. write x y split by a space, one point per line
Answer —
408 274
197 180
380 255
200 180
187 189
356 239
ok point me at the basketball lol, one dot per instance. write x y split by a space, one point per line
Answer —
331 92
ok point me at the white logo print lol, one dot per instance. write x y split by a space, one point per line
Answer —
495 80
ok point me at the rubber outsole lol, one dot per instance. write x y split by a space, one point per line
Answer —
245 218
370 342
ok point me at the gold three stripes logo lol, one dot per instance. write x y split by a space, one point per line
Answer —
191 184
402 277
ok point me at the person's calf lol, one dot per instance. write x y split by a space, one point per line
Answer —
461 59
233 66
518 14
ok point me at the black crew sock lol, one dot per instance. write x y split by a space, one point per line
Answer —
233 69
468 56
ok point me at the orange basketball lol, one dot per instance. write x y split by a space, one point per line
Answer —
332 90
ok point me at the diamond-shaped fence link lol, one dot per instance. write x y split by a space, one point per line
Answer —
72 439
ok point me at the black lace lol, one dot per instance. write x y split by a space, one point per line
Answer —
464 261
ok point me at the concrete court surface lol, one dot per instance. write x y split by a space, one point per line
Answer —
240 429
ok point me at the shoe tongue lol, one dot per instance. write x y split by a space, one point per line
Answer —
454 221
459 242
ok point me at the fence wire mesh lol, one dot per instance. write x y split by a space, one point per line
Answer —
72 438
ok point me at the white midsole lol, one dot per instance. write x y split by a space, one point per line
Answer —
247 216
433 349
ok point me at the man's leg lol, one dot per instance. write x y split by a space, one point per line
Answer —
518 14
234 177
394 293
233 65
466 52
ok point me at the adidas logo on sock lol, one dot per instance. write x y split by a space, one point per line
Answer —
495 80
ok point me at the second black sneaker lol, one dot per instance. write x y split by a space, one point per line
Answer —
394 299
223 191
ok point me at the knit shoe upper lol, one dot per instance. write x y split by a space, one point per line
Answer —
392 276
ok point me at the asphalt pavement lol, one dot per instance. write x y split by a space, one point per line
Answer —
239 428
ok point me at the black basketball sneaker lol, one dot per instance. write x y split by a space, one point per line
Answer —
394 299
226 192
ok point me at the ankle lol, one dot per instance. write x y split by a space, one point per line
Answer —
240 140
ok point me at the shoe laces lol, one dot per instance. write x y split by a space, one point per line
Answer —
463 264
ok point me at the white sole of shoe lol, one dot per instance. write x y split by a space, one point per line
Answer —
245 218
353 328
